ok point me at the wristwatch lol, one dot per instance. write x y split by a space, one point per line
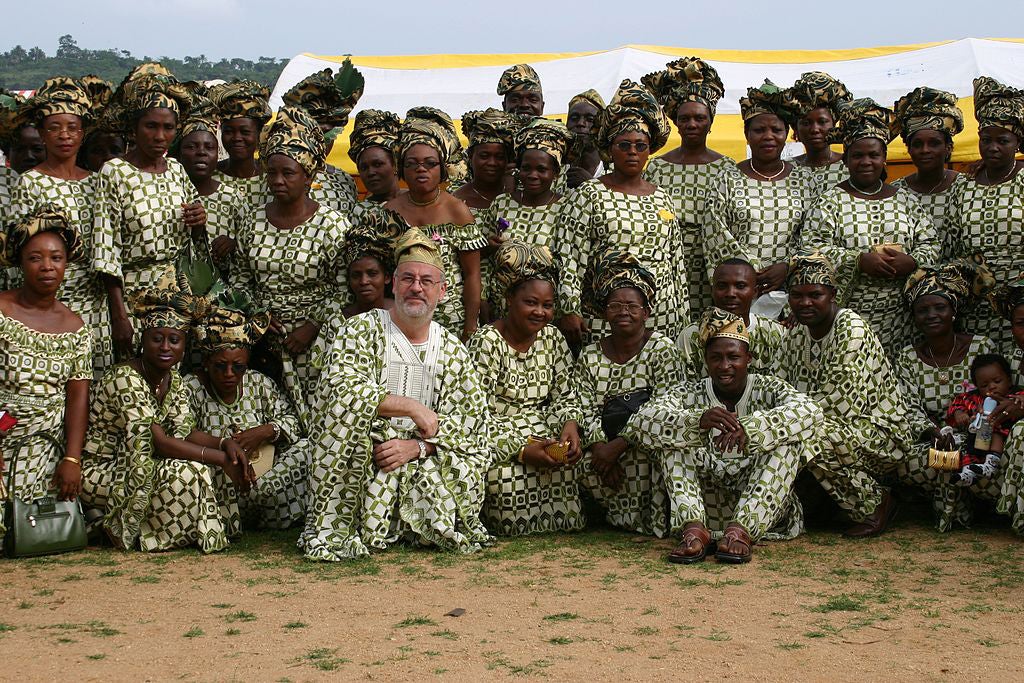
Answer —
423 447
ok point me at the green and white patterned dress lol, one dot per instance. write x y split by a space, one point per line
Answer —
937 205
758 221
765 340
691 186
35 368
641 504
1015 355
595 218
435 500
332 188
226 211
149 502
531 394
827 177
929 391
278 500
451 239
8 181
989 220
865 431
299 274
753 487
843 227
81 290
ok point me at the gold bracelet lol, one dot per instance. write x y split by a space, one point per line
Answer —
519 457
202 455
72 459
220 446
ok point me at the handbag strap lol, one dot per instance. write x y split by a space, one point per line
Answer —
18 443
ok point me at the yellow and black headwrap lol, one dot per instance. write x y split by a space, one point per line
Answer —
863 118
928 109
613 270
688 79
811 269
519 77
169 302
61 95
242 99
10 122
516 262
202 115
375 235
768 98
143 89
225 328
45 218
816 89
591 97
296 135
1006 298
489 126
413 246
329 98
101 94
999 105
715 323
633 108
960 282
431 127
546 135
374 128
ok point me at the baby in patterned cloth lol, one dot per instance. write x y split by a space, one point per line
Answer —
991 376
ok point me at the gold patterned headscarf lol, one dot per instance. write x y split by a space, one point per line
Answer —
633 108
375 235
431 127
999 105
296 135
413 246
242 99
60 95
147 86
518 77
613 270
546 135
928 109
201 116
374 128
45 218
863 118
591 97
489 126
716 323
224 328
169 302
1007 298
768 98
811 269
816 89
960 282
688 79
516 262
329 98
10 122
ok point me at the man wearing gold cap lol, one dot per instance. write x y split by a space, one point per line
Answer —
399 432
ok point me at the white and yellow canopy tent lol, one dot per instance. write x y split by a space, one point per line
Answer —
461 83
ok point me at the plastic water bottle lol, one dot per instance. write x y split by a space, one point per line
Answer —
983 439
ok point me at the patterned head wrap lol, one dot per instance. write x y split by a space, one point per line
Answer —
61 95
863 118
688 79
591 97
10 123
202 115
155 91
718 323
928 109
296 135
1007 298
374 128
490 126
960 282
45 218
546 135
328 98
633 108
767 98
817 89
613 270
812 269
169 303
431 127
100 92
415 247
518 77
375 235
224 328
517 262
242 99
999 105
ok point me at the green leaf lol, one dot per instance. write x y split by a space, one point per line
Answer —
349 80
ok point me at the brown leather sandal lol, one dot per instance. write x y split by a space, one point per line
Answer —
694 533
734 534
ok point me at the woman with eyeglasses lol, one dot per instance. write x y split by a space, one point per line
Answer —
621 210
427 144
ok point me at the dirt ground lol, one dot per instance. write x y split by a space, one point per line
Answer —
599 605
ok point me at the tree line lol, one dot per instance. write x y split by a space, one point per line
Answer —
22 69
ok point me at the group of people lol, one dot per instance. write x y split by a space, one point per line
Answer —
504 338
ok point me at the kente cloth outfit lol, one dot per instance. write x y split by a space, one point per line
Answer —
641 503
865 431
434 500
812 90
764 342
35 368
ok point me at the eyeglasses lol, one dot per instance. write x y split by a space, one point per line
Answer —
626 145
428 164
236 368
616 307
409 280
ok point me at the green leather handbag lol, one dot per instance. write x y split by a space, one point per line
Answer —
44 526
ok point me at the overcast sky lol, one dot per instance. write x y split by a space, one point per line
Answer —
251 28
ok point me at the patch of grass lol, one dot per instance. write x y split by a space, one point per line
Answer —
146 578
295 624
25 604
111 573
415 620
96 657
790 646
841 603
499 660
94 628
222 605
814 634
645 631
44 592
324 659
446 634
973 609
240 615
560 640
73 577
232 632
193 632
562 616
624 648
717 636
651 611
988 642
5 628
